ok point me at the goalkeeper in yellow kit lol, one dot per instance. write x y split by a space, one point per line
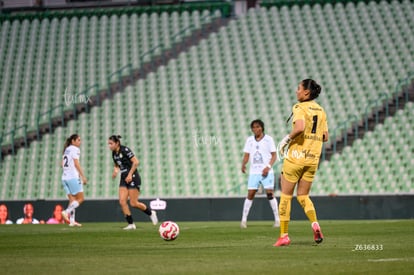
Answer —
300 151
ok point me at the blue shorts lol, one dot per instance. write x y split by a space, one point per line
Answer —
72 186
255 180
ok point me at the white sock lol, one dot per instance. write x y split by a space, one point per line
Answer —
273 205
246 209
72 206
72 216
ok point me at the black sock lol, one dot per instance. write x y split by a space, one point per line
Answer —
147 211
129 219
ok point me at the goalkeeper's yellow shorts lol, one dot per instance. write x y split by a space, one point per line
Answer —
294 172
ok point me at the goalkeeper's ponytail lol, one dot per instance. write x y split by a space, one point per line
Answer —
314 88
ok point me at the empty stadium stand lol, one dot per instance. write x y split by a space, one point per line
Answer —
187 120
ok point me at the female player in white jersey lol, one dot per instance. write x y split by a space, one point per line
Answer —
72 178
260 149
301 150
126 163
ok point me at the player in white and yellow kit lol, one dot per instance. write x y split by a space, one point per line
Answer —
304 143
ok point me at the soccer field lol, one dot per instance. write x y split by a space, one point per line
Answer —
375 246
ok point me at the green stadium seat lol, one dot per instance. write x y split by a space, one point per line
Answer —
248 69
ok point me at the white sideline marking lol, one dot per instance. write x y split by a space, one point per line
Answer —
390 260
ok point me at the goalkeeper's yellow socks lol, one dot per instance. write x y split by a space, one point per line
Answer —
284 228
308 207
284 213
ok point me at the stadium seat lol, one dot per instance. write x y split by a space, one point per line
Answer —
187 121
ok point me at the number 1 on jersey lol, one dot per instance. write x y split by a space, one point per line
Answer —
315 124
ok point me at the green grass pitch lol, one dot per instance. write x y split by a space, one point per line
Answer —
349 247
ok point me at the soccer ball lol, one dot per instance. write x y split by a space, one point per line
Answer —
169 230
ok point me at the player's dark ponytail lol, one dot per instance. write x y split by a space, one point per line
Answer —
116 138
69 140
314 88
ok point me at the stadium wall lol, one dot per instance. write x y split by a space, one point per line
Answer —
229 209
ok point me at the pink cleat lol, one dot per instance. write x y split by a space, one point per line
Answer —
283 241
317 233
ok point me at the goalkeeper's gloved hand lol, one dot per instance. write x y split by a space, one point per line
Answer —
286 140
282 147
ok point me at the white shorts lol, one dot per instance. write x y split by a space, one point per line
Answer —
255 180
72 186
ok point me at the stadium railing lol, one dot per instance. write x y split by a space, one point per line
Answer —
349 125
12 134
223 6
59 119
374 107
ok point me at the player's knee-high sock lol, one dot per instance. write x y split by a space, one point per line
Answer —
246 208
273 205
72 216
147 211
74 204
308 207
284 213
129 219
